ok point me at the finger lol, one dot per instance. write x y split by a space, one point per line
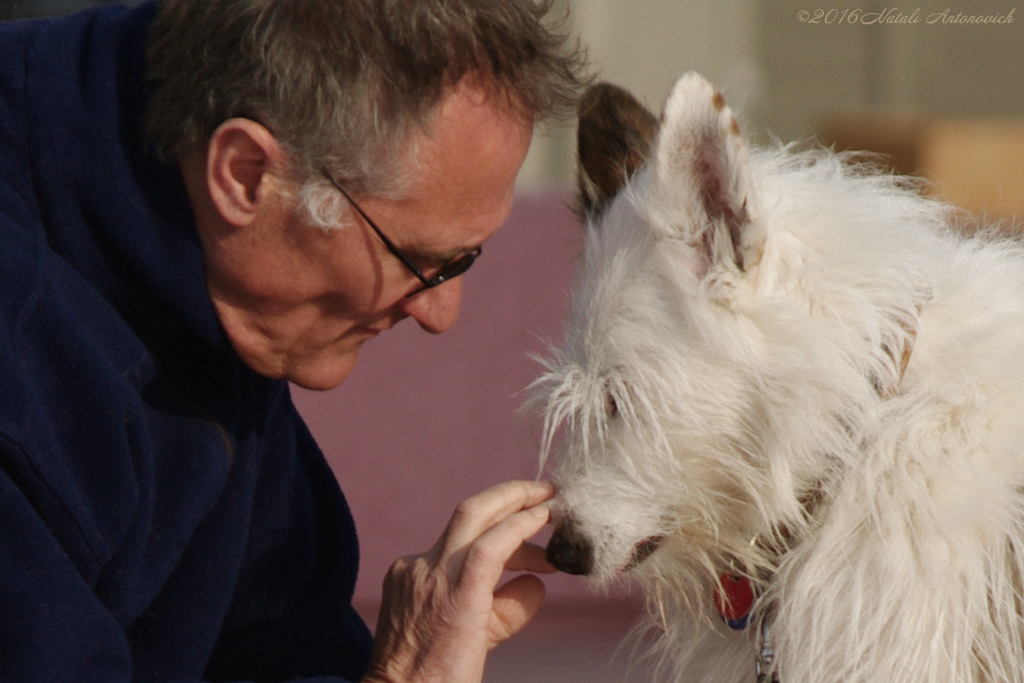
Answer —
476 515
515 604
479 567
529 557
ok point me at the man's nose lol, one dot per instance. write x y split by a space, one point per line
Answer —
435 309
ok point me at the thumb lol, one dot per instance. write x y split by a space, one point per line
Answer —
515 604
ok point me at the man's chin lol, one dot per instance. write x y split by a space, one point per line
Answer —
324 374
317 369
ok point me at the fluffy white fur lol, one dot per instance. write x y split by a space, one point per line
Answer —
742 396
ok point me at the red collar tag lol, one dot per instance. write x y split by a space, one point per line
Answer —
734 598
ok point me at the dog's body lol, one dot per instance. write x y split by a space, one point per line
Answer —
783 368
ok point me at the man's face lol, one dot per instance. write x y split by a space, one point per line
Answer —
297 302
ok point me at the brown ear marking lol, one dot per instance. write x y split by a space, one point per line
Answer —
614 139
718 101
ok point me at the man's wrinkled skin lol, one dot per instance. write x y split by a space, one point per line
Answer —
297 302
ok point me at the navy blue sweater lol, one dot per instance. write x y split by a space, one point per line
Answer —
164 512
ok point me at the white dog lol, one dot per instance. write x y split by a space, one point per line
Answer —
792 399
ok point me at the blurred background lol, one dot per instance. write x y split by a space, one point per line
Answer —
941 98
426 421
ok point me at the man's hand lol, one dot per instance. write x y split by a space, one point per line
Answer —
442 611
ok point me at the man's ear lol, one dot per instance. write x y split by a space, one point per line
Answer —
243 161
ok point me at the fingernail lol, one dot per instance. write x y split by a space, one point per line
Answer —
541 510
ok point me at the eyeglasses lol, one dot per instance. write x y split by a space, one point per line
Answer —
452 269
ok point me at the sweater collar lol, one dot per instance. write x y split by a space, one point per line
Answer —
114 211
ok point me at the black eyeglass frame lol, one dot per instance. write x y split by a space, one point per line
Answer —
448 271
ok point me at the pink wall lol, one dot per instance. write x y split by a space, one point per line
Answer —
425 421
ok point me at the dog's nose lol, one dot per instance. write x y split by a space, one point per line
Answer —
568 552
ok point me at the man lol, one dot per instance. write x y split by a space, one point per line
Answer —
316 171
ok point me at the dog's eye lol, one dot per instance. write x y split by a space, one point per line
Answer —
611 407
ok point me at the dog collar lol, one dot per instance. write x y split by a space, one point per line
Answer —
734 599
765 657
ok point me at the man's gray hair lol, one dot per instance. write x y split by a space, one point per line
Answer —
341 83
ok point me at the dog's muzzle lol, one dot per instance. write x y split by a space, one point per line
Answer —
568 551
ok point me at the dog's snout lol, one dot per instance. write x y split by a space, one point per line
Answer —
567 551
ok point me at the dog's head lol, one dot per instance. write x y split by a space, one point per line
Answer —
690 392
648 390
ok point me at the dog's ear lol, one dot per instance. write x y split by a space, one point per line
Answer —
700 165
614 139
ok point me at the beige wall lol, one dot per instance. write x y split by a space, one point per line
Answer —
644 45
784 75
939 69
